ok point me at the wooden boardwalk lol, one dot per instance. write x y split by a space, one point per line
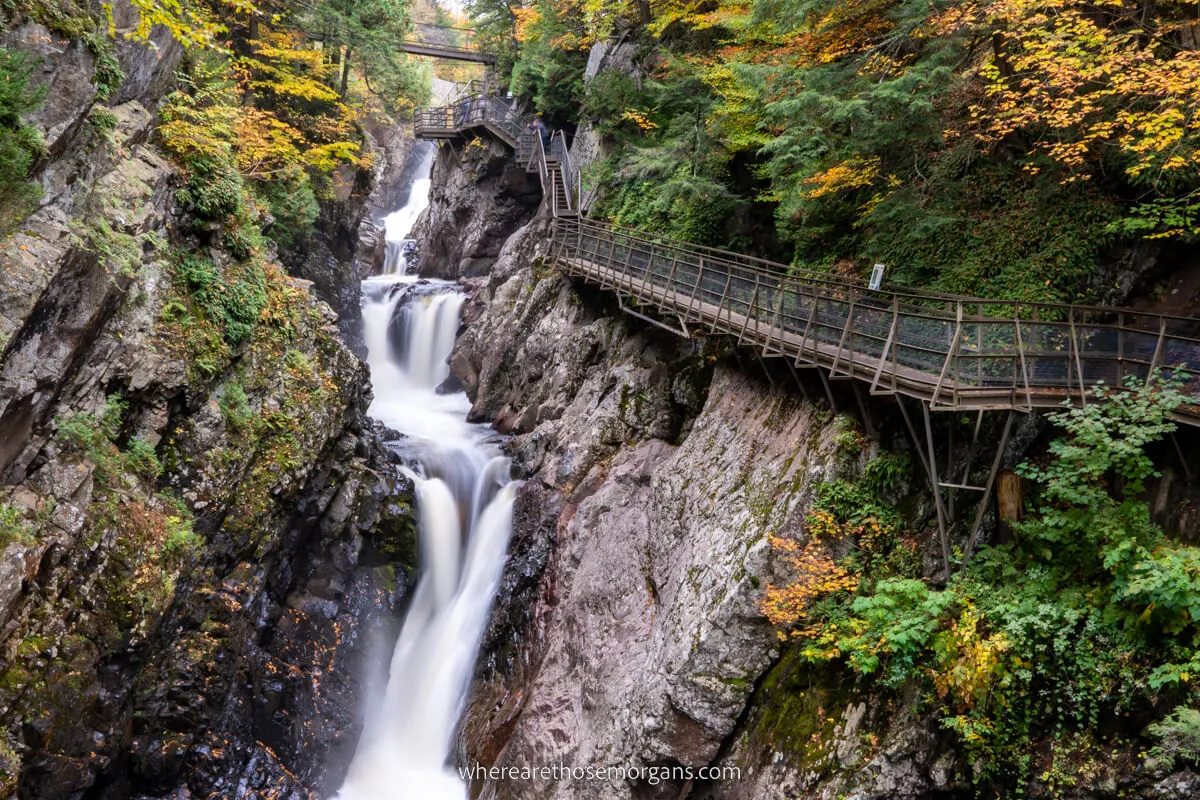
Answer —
950 352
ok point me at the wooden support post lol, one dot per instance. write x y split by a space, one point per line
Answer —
775 320
1024 367
767 372
865 410
828 389
800 383
1187 470
696 292
746 322
950 354
987 488
971 448
1075 353
887 345
912 431
812 315
943 534
669 287
837 357
1158 348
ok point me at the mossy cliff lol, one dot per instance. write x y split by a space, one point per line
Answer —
198 520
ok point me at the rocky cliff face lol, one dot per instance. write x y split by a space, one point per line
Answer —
347 241
627 632
194 534
478 198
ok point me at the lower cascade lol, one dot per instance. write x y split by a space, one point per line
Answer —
465 501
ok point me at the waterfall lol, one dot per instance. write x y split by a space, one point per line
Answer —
464 501
397 247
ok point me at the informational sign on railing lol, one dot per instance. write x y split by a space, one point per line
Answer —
876 277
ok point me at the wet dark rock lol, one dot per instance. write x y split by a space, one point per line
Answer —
478 199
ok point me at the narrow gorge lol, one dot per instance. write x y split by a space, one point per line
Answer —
606 401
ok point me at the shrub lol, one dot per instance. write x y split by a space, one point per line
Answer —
1032 646
893 627
20 144
141 459
1178 737
235 409
14 528
231 299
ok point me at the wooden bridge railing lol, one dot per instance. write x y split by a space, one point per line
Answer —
952 352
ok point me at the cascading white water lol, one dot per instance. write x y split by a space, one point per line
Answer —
464 499
399 223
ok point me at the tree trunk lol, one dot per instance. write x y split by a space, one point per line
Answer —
345 73
644 11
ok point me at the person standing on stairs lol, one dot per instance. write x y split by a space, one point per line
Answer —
539 126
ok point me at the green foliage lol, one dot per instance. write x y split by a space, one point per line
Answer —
20 144
231 298
102 122
553 54
121 253
67 18
181 542
849 437
854 502
292 203
96 436
893 628
107 74
141 459
14 528
885 473
616 105
364 34
235 409
1089 617
1108 437
1178 736
837 135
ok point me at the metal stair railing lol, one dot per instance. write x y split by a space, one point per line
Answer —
952 352
474 110
559 149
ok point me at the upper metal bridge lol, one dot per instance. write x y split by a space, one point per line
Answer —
440 41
